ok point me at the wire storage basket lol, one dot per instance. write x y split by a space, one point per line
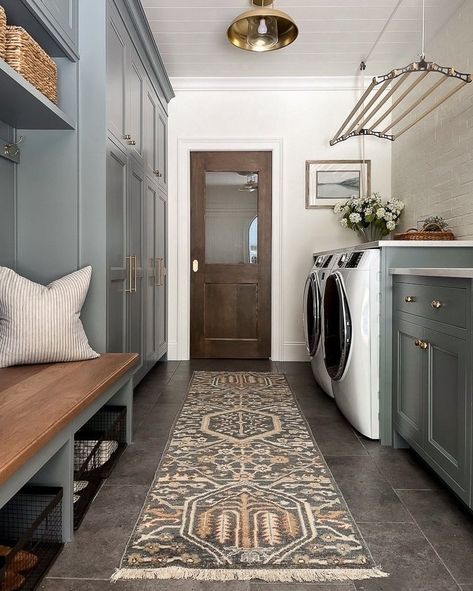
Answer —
97 447
3 32
30 60
30 536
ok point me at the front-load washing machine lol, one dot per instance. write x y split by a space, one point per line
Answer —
351 338
313 319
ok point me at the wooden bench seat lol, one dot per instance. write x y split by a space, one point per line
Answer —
41 406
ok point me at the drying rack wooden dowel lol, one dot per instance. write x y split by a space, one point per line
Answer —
356 124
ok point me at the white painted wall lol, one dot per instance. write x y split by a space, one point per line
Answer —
433 162
304 120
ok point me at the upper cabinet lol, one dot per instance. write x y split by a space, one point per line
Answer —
52 23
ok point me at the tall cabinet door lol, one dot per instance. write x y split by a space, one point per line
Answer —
449 406
117 270
136 92
151 272
136 184
161 289
409 367
150 116
162 143
117 66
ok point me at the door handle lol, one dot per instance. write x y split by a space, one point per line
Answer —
195 265
128 273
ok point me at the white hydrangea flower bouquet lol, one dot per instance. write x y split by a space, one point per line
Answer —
369 216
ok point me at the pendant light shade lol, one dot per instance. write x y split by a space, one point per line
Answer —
262 29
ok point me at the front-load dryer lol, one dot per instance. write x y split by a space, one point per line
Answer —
351 339
313 319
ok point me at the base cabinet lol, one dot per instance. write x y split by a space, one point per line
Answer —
432 382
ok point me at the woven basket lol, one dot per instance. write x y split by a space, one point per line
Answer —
25 56
434 233
3 32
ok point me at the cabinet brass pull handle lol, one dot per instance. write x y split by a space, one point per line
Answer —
195 265
409 299
421 344
436 304
133 289
128 273
156 272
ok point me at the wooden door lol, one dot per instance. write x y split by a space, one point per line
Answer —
161 279
231 254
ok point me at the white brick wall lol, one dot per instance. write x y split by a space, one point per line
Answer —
432 163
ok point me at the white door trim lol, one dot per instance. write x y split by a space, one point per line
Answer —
180 263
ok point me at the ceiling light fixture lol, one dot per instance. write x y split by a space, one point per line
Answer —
263 28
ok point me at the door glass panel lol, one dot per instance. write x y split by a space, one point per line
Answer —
231 218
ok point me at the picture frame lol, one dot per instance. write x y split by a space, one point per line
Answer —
329 182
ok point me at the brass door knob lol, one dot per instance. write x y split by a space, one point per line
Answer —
436 304
409 299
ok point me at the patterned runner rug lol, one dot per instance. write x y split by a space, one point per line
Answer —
243 492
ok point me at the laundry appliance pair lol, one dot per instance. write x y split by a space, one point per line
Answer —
341 322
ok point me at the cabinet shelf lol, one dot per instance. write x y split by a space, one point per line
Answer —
31 15
24 107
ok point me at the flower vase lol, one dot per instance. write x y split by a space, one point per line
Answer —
371 233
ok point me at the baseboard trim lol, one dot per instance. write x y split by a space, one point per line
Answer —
295 351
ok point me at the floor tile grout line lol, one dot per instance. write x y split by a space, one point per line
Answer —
427 539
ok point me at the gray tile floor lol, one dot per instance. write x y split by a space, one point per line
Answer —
415 528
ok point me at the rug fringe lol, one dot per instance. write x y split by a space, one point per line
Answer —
305 575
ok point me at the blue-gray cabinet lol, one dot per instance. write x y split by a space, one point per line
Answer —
432 373
136 200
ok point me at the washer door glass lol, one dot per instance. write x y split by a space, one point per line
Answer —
337 327
312 306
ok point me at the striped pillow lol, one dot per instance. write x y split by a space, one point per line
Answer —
41 324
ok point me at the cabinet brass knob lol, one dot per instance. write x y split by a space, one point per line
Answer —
417 343
436 304
424 345
132 143
409 299
157 173
127 136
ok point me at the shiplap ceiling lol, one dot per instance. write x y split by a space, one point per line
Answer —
334 35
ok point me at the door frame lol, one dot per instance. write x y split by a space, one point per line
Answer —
179 254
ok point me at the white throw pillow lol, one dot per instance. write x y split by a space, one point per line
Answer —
41 324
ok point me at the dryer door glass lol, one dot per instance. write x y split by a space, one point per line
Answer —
337 326
312 305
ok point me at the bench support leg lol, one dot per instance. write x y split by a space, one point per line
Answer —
124 397
59 471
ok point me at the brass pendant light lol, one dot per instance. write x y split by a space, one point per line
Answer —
263 28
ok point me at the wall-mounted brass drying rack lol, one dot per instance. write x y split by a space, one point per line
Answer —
382 88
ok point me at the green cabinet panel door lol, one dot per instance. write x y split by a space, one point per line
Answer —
446 439
408 363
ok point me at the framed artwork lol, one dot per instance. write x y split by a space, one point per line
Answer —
331 181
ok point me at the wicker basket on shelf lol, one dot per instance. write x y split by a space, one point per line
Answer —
30 60
428 232
3 32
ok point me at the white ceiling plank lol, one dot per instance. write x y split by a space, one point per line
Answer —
333 36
